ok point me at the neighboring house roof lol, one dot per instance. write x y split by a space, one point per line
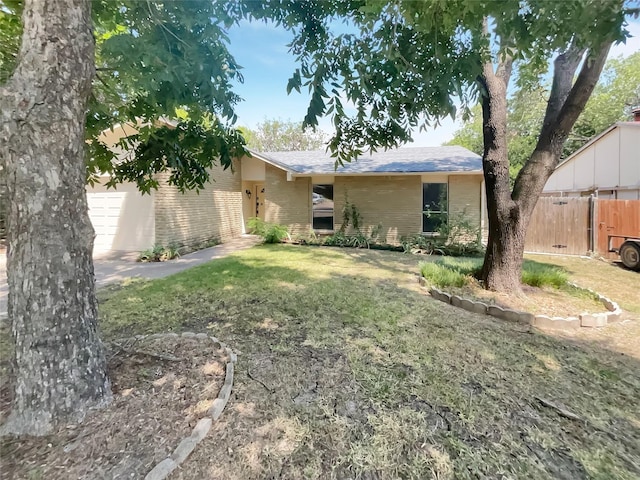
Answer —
400 160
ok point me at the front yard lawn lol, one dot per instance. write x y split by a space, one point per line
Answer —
347 370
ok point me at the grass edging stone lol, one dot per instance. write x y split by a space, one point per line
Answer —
188 444
541 321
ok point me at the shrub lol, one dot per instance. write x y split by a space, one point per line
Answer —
270 232
159 253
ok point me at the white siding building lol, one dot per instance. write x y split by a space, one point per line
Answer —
607 167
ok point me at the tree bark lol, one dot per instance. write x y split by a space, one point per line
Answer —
510 212
59 363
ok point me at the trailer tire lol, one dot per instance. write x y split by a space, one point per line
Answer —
630 255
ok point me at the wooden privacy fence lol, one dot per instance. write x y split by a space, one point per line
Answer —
580 225
559 225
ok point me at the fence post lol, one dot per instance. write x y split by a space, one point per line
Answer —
592 224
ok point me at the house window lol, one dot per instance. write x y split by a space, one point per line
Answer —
322 199
434 206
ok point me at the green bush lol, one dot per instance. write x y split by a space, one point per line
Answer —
270 232
159 253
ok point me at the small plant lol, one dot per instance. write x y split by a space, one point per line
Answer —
443 276
540 275
449 271
270 232
159 253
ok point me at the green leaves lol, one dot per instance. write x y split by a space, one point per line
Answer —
158 61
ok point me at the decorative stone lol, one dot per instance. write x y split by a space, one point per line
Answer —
201 429
593 320
188 335
184 449
171 335
510 315
614 316
466 304
556 323
228 379
495 311
526 317
202 336
162 470
456 300
608 304
479 307
442 296
233 357
225 392
216 409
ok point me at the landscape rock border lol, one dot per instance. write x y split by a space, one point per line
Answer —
188 444
542 321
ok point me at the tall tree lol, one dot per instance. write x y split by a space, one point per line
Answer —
278 135
59 363
162 67
403 64
612 100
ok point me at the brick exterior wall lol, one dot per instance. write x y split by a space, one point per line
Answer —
464 198
287 203
393 201
192 218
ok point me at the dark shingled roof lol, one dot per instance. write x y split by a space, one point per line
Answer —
400 160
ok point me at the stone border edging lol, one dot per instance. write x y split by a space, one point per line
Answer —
188 444
557 323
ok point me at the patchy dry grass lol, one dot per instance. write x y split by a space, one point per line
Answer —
347 370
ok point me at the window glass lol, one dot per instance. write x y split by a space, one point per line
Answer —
322 199
434 206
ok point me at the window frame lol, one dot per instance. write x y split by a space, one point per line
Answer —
438 212
333 209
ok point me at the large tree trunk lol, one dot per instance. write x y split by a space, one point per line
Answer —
59 363
510 212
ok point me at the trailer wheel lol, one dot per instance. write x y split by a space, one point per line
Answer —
630 255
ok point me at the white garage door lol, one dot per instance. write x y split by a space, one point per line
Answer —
123 219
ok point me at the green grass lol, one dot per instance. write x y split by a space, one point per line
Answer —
457 272
362 376
347 370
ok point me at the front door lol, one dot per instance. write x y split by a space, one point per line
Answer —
258 194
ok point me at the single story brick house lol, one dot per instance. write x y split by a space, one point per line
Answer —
301 190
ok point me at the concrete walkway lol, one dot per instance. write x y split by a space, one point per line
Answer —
110 269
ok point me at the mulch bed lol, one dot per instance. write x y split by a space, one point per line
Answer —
161 388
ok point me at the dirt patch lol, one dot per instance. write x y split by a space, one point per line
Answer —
161 388
549 301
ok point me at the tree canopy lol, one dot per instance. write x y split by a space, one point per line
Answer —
616 93
165 68
408 64
279 135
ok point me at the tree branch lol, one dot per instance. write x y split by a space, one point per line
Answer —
565 106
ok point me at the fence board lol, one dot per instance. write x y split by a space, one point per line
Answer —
616 217
559 225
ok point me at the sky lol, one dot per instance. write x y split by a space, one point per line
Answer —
262 51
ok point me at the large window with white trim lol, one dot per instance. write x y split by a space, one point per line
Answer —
434 206
322 209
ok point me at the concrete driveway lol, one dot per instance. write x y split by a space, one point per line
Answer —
112 269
